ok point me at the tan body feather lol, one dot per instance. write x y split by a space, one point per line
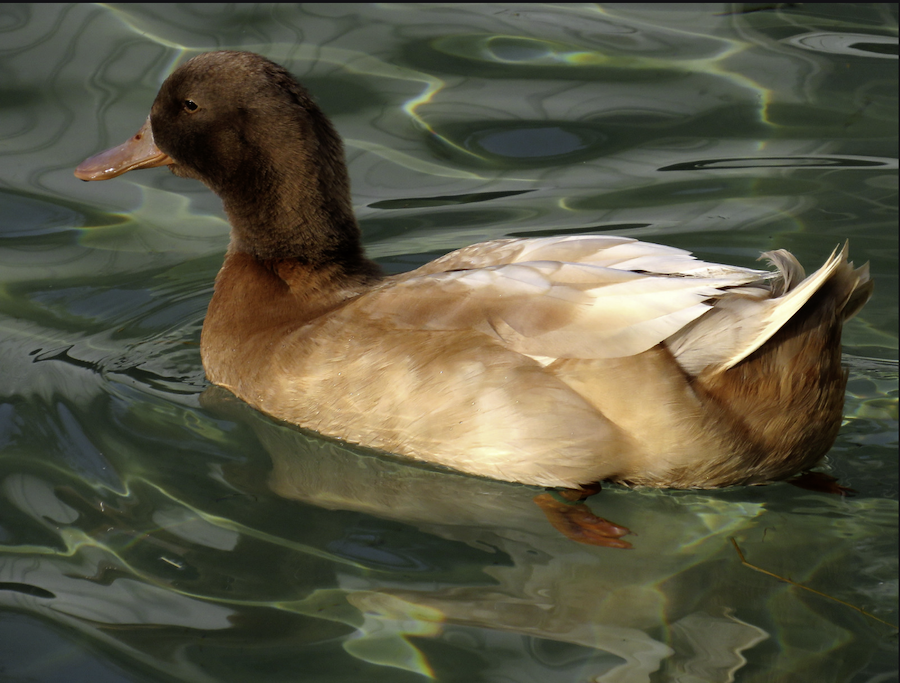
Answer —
538 376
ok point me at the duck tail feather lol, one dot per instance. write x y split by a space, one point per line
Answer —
790 272
861 293
775 312
739 325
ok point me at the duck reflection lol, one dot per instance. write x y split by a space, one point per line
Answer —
538 582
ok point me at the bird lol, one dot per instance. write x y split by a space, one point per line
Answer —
555 362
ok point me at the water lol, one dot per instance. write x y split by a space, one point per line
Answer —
152 529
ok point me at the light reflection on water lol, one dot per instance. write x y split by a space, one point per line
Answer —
151 527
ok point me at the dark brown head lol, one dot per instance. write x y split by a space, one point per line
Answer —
225 116
246 128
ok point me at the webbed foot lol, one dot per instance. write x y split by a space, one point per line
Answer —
821 482
577 522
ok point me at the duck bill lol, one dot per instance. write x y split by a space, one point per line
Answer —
138 152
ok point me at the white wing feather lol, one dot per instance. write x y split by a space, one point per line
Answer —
563 297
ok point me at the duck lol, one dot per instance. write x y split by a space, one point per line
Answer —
555 362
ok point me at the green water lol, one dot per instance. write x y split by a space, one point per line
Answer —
153 529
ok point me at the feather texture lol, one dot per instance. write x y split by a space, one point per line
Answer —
549 372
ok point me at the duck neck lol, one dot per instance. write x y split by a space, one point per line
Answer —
302 213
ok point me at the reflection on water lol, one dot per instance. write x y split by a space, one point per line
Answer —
152 527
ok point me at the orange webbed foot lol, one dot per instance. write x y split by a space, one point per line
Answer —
821 482
577 522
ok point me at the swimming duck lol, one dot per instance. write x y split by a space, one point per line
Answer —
557 361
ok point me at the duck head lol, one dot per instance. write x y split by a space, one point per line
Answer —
246 128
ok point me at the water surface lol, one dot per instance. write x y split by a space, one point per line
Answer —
154 529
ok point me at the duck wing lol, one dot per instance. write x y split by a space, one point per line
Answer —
564 297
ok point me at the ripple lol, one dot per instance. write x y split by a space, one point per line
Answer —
450 200
520 144
509 56
27 589
779 162
529 142
29 216
514 50
859 44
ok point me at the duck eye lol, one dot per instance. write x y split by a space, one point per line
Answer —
190 106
